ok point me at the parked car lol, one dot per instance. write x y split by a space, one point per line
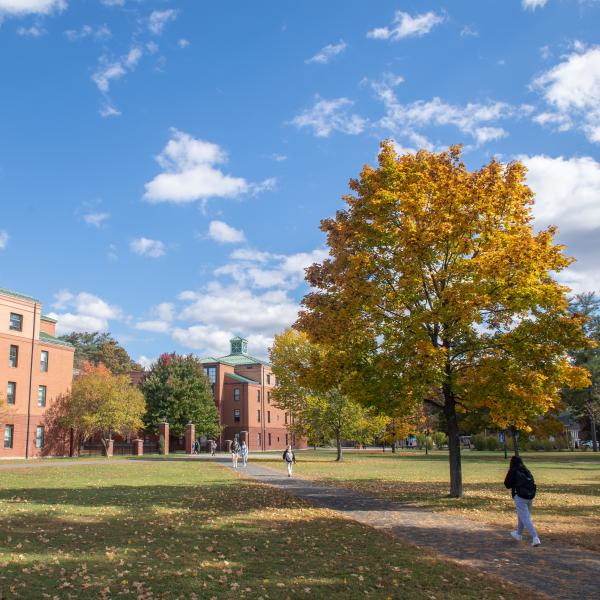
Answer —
586 444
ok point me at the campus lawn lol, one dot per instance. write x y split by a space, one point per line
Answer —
189 530
567 506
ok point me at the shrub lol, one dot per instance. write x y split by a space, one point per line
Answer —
492 443
479 441
440 439
425 442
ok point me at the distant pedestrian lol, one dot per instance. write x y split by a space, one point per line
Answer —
290 459
522 485
235 453
213 447
244 453
196 447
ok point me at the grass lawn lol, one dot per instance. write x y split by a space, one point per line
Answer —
196 530
567 506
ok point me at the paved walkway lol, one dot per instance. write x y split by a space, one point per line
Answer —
559 571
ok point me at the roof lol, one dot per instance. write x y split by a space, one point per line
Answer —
241 379
241 359
234 360
8 292
49 319
50 339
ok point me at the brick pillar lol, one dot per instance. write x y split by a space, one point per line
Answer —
138 447
244 437
190 437
109 448
163 434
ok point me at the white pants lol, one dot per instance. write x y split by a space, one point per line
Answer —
289 467
523 507
244 459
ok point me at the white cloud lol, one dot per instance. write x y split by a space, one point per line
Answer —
190 173
27 7
183 43
159 18
406 26
324 55
477 120
262 270
221 232
468 31
236 309
145 361
567 191
156 326
87 312
279 157
533 4
87 31
34 31
327 116
572 90
3 239
96 219
165 311
147 247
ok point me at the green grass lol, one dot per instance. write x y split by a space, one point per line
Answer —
196 530
567 507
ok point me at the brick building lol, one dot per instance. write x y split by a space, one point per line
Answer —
242 387
35 368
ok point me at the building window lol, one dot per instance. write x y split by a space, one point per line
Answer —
13 357
236 415
258 395
42 395
286 418
44 361
16 322
269 397
286 439
258 439
268 379
269 439
11 392
211 373
278 417
258 415
9 431
39 436
236 394
268 416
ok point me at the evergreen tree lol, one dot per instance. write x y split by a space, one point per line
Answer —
177 391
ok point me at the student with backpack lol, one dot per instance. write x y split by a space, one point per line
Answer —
290 459
522 485
235 453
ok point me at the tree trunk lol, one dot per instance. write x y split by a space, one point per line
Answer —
515 438
338 443
394 447
592 421
456 490
383 446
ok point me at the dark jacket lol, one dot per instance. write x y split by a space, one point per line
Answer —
510 481
292 453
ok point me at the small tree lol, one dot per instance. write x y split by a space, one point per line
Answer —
176 390
101 403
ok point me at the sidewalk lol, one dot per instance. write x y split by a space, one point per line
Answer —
564 572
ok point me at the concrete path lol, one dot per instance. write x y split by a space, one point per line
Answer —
559 571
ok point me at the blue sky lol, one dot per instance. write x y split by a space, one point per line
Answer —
164 165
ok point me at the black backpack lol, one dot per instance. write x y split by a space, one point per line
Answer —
525 485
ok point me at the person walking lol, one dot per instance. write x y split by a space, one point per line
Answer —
213 447
235 453
244 453
289 458
522 485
